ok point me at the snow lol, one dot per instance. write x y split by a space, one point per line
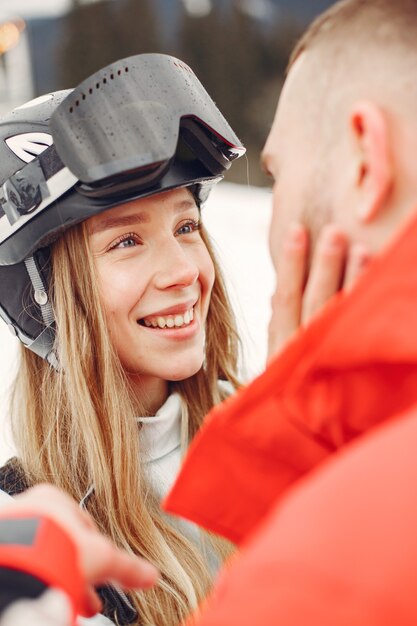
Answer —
237 219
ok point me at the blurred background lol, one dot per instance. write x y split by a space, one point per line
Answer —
238 48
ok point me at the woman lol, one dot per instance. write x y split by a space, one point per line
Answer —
108 278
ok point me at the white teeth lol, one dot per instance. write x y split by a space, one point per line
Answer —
170 321
161 322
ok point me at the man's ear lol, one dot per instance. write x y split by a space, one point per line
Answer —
374 171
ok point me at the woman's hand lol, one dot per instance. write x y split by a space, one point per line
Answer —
99 559
302 292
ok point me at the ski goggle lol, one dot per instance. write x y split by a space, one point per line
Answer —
126 119
119 130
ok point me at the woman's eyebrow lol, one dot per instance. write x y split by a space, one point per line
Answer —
117 221
185 204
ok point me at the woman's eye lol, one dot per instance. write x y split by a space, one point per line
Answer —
127 241
189 227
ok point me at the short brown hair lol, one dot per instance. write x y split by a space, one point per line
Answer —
381 21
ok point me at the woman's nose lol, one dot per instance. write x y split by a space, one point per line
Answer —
176 267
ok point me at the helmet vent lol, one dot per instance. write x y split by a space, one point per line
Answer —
97 86
27 146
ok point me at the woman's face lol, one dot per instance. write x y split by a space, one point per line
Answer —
156 277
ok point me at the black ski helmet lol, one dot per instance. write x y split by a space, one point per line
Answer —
138 127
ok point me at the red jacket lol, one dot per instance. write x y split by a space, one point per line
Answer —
341 547
339 550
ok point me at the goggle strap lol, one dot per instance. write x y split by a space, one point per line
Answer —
14 216
25 190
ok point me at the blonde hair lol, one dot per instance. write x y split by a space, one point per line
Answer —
76 428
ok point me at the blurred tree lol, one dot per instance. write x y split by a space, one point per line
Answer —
99 33
241 63
137 27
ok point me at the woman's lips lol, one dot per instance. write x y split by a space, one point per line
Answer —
178 320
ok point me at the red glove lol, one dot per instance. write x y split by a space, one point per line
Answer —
38 546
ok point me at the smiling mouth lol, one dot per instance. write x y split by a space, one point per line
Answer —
168 321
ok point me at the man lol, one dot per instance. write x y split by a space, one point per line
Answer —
334 417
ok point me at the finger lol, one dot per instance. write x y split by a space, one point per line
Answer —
327 271
358 259
287 300
110 563
92 603
48 500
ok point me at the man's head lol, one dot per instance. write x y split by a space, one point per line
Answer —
344 139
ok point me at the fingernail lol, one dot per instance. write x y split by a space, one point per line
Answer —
333 240
296 236
147 575
150 572
361 255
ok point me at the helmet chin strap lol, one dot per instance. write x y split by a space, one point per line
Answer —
40 295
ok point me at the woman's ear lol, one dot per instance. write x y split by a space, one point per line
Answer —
374 171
